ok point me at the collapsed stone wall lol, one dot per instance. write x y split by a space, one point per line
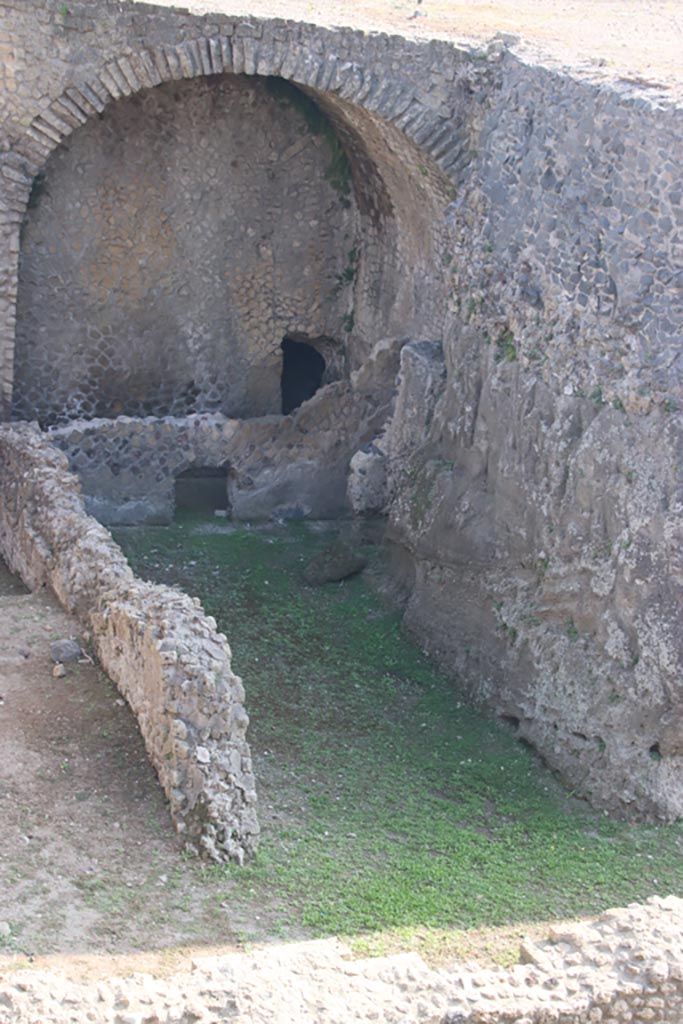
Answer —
164 654
277 467
624 968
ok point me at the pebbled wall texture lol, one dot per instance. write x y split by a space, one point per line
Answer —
524 227
624 968
171 245
277 467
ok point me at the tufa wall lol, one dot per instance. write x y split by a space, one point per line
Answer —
540 500
527 224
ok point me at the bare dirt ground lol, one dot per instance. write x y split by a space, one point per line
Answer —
636 41
93 884
92 878
89 862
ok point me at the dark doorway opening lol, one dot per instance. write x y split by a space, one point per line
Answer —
202 489
302 373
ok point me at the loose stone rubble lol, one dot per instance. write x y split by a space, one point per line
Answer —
164 654
624 968
65 650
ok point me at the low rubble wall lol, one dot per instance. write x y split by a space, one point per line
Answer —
156 643
128 466
624 968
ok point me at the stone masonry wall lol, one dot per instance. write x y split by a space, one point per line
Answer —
156 643
277 467
624 968
530 222
64 69
169 247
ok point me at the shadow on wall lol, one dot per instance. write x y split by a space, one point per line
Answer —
202 489
302 373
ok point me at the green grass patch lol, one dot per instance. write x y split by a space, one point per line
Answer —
388 804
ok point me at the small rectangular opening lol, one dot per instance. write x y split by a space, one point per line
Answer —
202 489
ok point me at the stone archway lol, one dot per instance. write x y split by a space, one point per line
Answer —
402 145
172 243
303 368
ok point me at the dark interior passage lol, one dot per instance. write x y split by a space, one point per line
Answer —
302 373
9 583
202 489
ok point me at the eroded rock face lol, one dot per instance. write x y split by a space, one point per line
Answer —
540 498
544 534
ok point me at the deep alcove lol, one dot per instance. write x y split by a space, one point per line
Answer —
161 267
202 489
302 373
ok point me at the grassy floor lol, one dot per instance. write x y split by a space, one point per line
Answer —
389 806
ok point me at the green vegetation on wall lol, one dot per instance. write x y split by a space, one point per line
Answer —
338 172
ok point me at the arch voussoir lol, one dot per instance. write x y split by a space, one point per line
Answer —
145 69
339 63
